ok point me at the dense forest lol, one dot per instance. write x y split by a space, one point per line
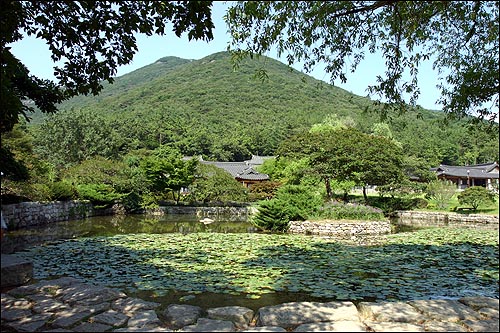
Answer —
206 107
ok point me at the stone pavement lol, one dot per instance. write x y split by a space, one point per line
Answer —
69 305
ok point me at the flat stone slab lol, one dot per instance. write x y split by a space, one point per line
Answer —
92 327
143 319
180 315
210 325
265 329
478 302
439 326
69 318
338 326
296 313
239 315
111 318
490 325
84 294
15 271
445 310
29 324
393 327
389 311
130 305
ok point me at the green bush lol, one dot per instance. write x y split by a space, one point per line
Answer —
441 192
291 203
349 211
99 194
62 190
476 196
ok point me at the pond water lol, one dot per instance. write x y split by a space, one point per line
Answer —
177 259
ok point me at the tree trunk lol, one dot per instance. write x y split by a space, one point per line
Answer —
328 188
364 194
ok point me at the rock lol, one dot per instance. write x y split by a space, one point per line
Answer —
296 313
179 315
111 318
490 325
392 327
130 305
439 326
239 315
445 310
15 271
144 319
68 318
92 327
478 302
29 324
210 325
338 326
84 294
265 329
389 311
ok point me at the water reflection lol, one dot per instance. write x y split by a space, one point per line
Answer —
17 240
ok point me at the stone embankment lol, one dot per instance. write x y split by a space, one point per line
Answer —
30 214
69 305
437 219
339 228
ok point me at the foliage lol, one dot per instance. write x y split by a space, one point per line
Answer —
291 203
72 137
343 187
476 196
153 106
349 211
263 190
460 37
347 154
62 191
91 38
167 172
214 184
441 192
100 194
452 260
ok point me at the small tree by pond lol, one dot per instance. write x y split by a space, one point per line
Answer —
475 196
441 192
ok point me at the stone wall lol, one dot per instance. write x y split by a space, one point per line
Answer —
339 228
416 218
28 214
229 213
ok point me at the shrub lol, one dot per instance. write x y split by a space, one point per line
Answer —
441 192
349 211
292 202
62 190
100 194
476 196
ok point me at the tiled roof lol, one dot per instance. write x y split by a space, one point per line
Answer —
239 170
258 160
487 170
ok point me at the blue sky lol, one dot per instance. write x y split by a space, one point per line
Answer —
36 56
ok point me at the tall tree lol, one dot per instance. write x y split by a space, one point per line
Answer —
347 154
91 38
461 37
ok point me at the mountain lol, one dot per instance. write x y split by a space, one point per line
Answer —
205 107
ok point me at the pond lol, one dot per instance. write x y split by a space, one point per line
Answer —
176 259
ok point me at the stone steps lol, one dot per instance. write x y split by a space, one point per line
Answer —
15 271
68 305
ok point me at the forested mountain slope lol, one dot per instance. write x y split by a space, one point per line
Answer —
205 107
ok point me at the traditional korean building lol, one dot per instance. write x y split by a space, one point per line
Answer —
485 175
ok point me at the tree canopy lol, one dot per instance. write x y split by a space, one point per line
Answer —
90 38
460 36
